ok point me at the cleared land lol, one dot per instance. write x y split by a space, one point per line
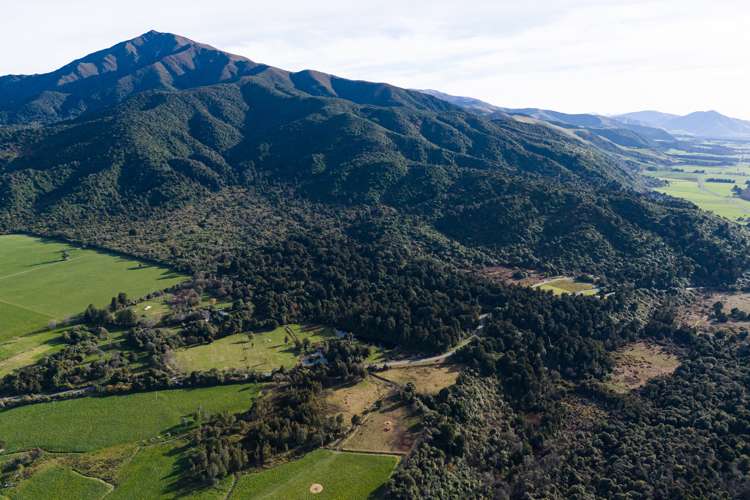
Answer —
638 363
356 399
568 285
152 309
518 276
343 476
691 184
97 422
427 379
155 472
699 314
59 483
391 429
261 351
37 286
28 349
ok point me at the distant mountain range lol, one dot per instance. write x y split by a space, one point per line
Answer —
645 133
709 124
652 125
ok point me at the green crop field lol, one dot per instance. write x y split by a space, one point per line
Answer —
37 286
27 349
154 472
264 352
96 422
715 197
343 476
59 483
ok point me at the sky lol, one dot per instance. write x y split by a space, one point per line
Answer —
579 56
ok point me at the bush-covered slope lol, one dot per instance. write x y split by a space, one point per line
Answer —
520 193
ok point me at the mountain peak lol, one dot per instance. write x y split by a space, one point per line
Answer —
151 61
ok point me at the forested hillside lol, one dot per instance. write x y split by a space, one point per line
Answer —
517 193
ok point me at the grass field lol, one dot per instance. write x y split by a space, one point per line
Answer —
426 379
151 309
568 285
264 352
391 429
37 286
97 422
638 363
355 399
712 196
54 482
154 472
343 476
27 349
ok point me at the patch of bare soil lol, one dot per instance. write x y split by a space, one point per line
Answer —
638 363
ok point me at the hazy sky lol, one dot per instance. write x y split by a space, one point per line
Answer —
570 55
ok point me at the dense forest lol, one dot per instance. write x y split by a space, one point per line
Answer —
686 436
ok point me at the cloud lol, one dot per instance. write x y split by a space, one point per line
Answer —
571 55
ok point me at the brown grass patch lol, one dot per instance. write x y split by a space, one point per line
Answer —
698 314
504 274
355 399
427 379
391 429
638 363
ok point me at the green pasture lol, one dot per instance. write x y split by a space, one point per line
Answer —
711 196
38 287
28 349
260 352
91 423
156 472
56 482
343 476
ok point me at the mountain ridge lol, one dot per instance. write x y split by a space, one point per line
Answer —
600 131
709 124
163 61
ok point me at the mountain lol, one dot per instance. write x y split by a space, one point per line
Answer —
501 189
631 133
648 118
161 61
708 124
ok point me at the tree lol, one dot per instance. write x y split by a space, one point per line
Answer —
126 318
